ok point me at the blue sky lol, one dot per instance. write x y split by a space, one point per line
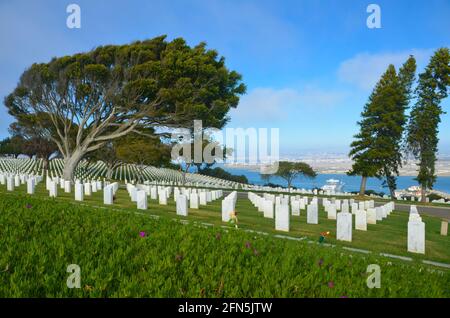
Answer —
309 65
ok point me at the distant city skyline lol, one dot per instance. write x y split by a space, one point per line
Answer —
309 66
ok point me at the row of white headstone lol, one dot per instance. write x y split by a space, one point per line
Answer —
344 219
16 180
81 189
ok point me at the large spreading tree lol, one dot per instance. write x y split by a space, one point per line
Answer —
377 148
94 97
289 171
423 126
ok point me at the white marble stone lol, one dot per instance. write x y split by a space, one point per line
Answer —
361 205
108 195
332 212
295 207
133 193
94 186
345 207
312 216
153 193
416 236
354 207
282 218
193 202
227 209
379 213
338 204
202 197
87 189
30 185
53 189
141 200
162 197
361 220
344 227
182 207
10 183
67 186
79 193
371 216
268 209
16 181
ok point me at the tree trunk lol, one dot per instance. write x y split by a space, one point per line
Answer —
71 162
423 193
362 189
392 193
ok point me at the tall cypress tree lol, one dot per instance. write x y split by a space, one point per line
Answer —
393 103
423 127
365 158
376 150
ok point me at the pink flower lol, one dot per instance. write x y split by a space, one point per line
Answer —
29 206
330 284
142 234
248 244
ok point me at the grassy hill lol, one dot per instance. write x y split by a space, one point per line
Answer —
41 237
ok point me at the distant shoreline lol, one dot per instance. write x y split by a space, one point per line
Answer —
255 168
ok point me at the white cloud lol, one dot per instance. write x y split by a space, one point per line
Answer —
364 69
280 104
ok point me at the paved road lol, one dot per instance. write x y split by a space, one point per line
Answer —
437 211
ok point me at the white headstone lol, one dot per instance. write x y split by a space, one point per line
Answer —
53 189
312 216
16 181
202 197
295 207
182 208
193 202
162 197
361 220
10 184
331 212
79 194
30 186
141 197
268 209
282 217
371 216
87 189
108 195
416 236
153 193
344 227
67 186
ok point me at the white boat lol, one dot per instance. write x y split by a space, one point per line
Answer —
333 186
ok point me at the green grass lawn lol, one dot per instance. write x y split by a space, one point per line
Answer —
387 236
41 237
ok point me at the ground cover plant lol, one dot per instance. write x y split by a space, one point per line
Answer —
127 254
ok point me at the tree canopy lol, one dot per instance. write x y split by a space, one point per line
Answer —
423 126
94 97
289 171
377 148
